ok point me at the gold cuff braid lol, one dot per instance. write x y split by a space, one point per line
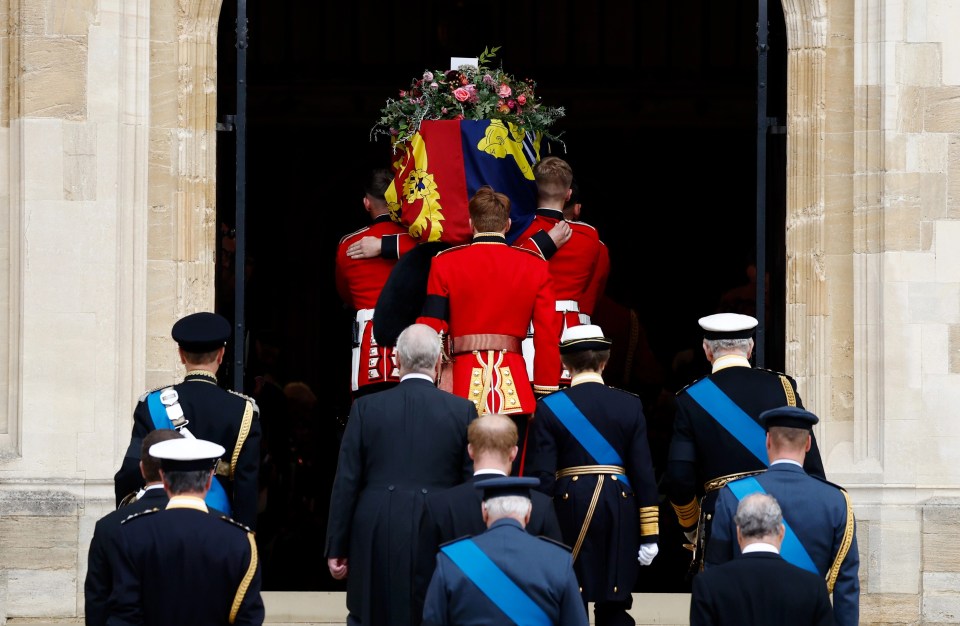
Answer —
649 520
688 514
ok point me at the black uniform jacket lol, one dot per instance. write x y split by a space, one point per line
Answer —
181 566
606 563
103 552
213 414
702 450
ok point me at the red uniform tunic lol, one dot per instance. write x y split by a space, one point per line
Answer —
598 285
484 296
359 282
573 267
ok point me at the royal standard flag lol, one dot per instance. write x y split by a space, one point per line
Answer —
440 168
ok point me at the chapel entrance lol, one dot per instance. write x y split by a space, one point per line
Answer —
661 133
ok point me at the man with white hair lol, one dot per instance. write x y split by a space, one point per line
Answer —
717 436
504 575
759 587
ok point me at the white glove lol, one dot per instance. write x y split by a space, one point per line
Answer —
691 536
647 552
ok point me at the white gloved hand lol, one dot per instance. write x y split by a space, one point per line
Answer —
691 536
647 552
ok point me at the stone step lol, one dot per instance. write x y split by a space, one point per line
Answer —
320 608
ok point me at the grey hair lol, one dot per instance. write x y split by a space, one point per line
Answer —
758 515
507 506
418 348
718 346
191 481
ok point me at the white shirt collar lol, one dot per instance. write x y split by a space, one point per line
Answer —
586 377
760 547
416 375
489 471
786 461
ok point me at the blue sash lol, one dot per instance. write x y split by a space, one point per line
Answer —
583 431
721 408
496 585
792 550
216 496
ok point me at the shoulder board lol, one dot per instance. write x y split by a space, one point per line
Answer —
134 516
825 481
356 232
249 399
623 391
555 542
230 520
146 393
685 387
774 372
452 541
451 249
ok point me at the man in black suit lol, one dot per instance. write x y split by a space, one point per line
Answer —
198 407
185 563
717 436
504 575
399 445
759 587
456 512
103 546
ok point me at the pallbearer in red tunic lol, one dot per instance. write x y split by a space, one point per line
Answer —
364 260
484 296
574 265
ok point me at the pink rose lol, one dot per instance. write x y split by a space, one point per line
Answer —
461 94
403 93
472 91
504 91
434 86
428 76
511 104
488 79
521 99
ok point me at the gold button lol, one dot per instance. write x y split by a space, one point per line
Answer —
566 495
614 589
623 493
476 392
613 477
709 516
581 589
476 381
508 381
510 392
575 478
512 401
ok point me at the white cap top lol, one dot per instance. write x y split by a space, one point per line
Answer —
728 325
187 453
583 337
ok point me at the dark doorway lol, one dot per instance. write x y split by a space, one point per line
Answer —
660 129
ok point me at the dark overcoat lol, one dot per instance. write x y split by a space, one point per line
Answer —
399 445
759 589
